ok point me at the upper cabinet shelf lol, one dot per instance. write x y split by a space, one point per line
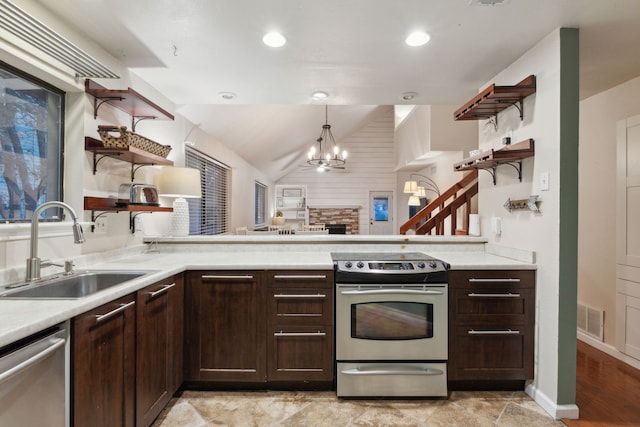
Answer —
508 155
127 100
488 103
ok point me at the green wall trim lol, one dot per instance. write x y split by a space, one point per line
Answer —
568 268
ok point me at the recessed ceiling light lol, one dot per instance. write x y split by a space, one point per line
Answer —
417 38
227 96
319 95
408 96
274 39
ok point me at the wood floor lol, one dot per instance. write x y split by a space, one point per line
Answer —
608 391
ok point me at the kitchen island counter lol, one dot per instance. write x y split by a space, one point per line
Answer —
20 318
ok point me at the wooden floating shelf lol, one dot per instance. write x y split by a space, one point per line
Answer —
508 155
495 99
127 100
107 204
130 154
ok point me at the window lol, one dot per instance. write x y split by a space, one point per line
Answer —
260 204
31 124
209 214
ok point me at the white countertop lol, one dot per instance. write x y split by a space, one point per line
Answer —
21 318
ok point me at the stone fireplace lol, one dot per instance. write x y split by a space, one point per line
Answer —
349 216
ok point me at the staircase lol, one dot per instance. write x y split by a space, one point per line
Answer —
431 219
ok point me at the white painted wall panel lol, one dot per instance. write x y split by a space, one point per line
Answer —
370 166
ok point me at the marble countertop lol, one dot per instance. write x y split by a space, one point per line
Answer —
21 318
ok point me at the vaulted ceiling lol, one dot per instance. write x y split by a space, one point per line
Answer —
193 50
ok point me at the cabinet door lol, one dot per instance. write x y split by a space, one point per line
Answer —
103 351
226 331
159 347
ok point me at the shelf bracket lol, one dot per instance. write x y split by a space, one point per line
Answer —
136 166
493 120
518 167
137 119
491 171
94 217
97 160
132 220
519 104
106 99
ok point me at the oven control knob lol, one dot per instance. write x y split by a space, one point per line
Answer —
421 265
348 264
360 264
433 264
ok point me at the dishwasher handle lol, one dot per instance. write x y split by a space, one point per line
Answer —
56 343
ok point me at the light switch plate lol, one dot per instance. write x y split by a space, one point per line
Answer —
544 181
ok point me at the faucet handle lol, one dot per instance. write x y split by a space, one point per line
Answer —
49 263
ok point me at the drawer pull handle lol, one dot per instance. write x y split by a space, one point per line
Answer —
161 290
391 291
114 312
299 334
300 276
299 296
507 332
496 280
509 295
425 371
228 277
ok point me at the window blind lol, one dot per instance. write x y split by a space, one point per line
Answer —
210 213
260 204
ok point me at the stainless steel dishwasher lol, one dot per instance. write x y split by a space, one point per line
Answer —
32 381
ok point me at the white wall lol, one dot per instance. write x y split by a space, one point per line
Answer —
524 229
370 167
596 262
79 180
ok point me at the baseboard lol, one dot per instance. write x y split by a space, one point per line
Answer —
558 412
609 349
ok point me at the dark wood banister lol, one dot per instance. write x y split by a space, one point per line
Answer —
440 202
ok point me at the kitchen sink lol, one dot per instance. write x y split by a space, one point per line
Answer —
70 286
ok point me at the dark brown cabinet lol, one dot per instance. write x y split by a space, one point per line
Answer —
491 326
103 358
300 331
159 346
225 327
259 328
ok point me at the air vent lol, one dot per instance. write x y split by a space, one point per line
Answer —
28 29
591 321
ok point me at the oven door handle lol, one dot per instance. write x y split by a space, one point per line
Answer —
406 371
392 291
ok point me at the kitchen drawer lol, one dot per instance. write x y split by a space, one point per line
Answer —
300 353
478 279
491 304
491 353
300 306
300 279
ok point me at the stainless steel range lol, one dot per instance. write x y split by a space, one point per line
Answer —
391 325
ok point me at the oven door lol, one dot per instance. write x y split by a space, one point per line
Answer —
391 322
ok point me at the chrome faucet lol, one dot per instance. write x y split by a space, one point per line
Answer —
33 262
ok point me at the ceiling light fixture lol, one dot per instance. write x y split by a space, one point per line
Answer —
274 39
227 96
409 96
417 38
325 158
319 95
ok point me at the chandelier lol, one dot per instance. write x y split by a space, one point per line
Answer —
326 157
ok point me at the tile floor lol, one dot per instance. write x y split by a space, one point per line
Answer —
317 409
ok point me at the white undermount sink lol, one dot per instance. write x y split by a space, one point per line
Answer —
75 285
